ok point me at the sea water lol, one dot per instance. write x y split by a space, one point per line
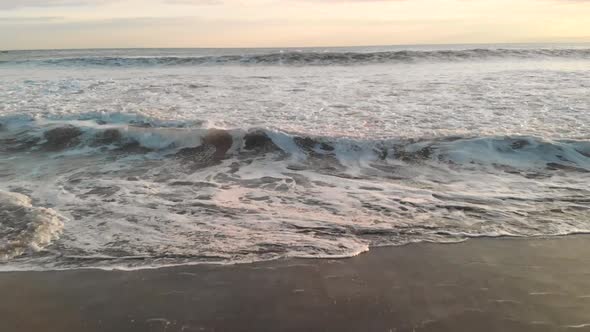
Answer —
145 158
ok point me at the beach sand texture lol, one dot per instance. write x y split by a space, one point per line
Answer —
478 285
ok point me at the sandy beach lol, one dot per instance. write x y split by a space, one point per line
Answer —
478 285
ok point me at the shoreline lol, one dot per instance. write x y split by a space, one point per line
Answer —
282 259
502 284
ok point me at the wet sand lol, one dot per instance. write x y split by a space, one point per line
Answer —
479 285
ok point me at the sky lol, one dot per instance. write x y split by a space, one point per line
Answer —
53 24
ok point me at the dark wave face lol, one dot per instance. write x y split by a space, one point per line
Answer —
305 58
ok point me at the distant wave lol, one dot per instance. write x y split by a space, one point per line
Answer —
293 58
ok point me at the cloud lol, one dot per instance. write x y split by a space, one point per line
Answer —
30 20
13 4
194 2
351 1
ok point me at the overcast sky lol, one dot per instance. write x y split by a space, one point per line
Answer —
34 24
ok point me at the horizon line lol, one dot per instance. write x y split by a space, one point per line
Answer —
292 47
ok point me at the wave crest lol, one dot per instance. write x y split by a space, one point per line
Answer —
512 153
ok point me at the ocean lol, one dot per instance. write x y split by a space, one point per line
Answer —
144 158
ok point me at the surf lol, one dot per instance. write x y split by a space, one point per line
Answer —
140 195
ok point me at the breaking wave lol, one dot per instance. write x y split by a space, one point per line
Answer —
145 193
306 58
143 137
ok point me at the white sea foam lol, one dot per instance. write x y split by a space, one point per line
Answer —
24 226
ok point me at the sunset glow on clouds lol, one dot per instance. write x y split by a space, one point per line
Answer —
26 24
